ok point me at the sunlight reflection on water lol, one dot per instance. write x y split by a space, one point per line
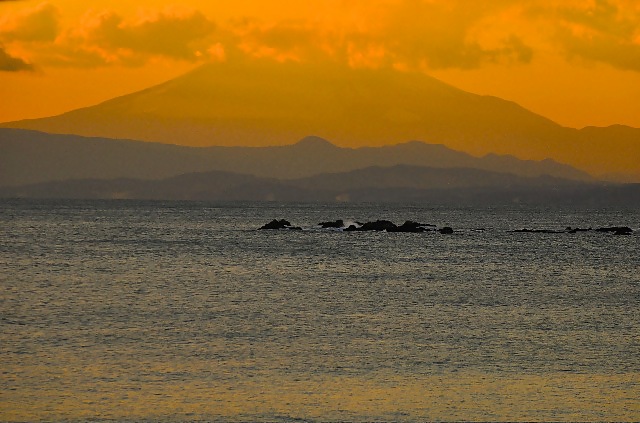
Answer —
182 311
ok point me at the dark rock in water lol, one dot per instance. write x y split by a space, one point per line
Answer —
378 225
337 224
385 225
410 226
446 230
280 224
617 230
575 230
538 231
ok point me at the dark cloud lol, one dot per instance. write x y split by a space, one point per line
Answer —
413 33
9 63
441 34
176 36
603 48
289 40
38 24
603 32
106 38
406 34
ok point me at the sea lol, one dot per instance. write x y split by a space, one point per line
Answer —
185 311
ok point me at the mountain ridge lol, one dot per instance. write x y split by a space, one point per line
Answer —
401 183
225 104
31 157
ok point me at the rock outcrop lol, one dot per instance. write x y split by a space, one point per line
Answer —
415 227
410 226
538 231
386 225
378 225
280 224
617 230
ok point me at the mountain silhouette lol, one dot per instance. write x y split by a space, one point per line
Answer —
31 157
401 183
264 103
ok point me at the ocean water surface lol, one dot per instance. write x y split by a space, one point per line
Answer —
169 311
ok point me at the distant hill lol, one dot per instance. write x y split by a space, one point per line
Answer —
31 157
415 177
225 104
400 183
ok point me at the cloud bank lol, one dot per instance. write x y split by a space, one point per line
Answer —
35 24
603 32
165 34
9 63
107 38
402 34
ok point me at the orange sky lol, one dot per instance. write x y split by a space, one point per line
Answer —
576 62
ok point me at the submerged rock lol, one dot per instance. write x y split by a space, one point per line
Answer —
575 230
280 224
538 231
410 226
337 224
617 230
378 225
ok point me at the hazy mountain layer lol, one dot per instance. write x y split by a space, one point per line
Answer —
398 183
30 157
262 103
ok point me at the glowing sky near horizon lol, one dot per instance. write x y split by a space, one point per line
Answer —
576 62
